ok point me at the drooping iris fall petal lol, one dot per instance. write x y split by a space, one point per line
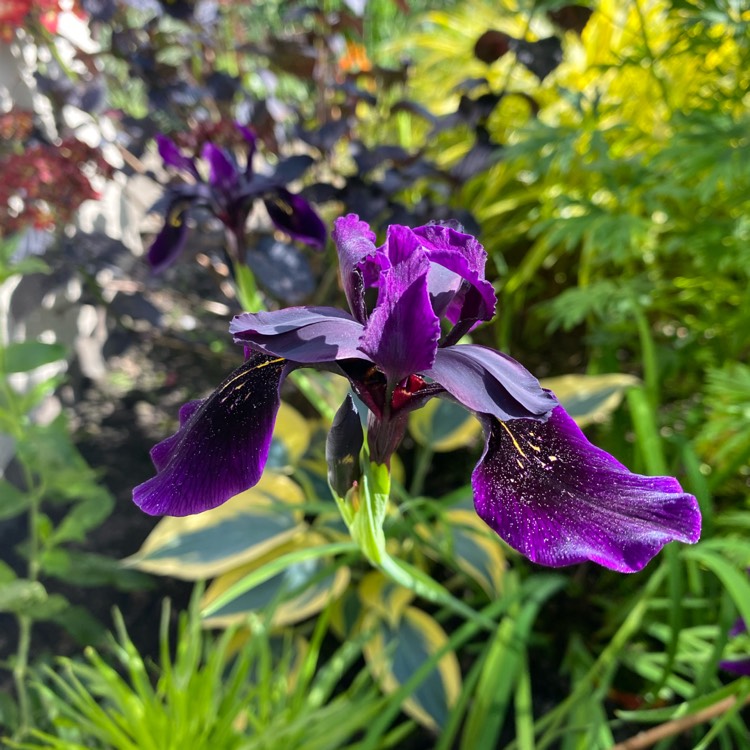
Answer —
171 240
295 216
222 446
558 499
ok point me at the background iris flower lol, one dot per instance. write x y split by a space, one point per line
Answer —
229 193
540 484
739 666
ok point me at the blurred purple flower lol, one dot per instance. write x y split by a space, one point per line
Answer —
229 193
739 666
540 484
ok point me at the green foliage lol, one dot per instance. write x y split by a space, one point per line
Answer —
229 692
62 499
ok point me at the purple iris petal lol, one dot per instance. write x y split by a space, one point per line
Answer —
172 156
306 335
489 382
559 500
738 628
402 332
360 261
170 242
463 255
294 215
223 173
221 448
161 452
250 139
737 666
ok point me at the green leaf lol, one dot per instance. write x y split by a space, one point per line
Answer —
21 595
89 569
242 529
443 426
271 568
734 580
590 399
12 500
84 516
461 538
7 574
397 650
28 355
299 591
291 439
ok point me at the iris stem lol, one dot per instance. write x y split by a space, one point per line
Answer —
425 455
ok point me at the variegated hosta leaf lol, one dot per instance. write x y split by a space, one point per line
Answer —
208 544
443 426
381 594
291 439
461 537
590 398
299 592
397 649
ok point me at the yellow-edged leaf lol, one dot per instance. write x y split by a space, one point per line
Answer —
380 593
314 588
590 399
443 425
242 529
398 649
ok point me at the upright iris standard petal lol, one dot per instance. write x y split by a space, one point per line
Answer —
170 242
295 216
172 156
307 335
223 172
558 500
250 139
402 333
489 382
360 261
221 448
473 300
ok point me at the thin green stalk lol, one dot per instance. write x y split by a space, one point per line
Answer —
425 455
648 355
524 704
550 722
25 622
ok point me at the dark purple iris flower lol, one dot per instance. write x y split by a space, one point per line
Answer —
739 666
229 193
540 484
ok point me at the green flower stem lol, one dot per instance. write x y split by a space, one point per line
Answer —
25 622
246 287
364 510
424 461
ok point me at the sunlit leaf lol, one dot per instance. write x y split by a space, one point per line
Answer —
242 529
463 538
590 399
443 426
381 594
28 355
397 649
291 438
300 591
